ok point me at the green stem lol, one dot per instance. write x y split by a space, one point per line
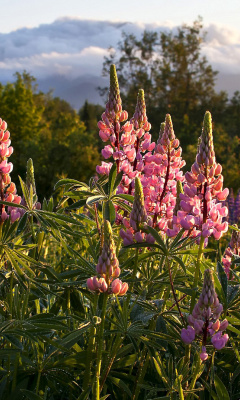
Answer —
11 296
195 282
212 375
194 377
100 349
38 380
91 341
116 347
133 279
173 291
143 365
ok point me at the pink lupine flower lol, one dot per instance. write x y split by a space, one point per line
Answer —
7 188
104 168
203 191
110 127
203 354
204 320
188 335
119 288
107 151
219 340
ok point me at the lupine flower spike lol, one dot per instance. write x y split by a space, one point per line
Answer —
201 211
161 173
110 128
204 321
8 190
108 267
138 216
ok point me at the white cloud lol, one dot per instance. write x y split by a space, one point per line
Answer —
73 47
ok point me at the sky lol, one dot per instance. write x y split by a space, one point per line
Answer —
30 13
63 42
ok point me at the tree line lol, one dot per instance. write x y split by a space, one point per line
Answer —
176 78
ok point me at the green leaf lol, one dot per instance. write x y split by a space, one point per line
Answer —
22 223
220 389
15 205
94 199
127 197
118 180
77 204
72 182
112 178
69 340
222 278
109 212
123 205
31 395
158 239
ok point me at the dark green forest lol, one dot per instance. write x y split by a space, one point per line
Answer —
176 78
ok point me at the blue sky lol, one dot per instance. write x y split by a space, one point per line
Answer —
30 13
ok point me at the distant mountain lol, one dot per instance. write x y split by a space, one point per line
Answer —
75 91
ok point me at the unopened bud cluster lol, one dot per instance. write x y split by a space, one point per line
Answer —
108 268
8 190
31 186
138 216
204 321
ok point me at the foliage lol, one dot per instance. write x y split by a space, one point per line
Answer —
50 131
60 340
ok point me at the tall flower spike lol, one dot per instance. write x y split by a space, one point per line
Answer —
202 213
206 154
108 267
114 103
108 262
140 117
204 320
8 190
138 213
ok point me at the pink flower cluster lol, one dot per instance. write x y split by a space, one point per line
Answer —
201 212
160 175
136 155
7 188
204 320
233 250
107 268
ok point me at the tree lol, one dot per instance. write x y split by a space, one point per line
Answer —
174 74
48 130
